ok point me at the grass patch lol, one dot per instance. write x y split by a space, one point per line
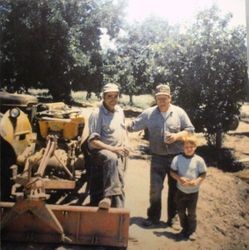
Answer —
141 101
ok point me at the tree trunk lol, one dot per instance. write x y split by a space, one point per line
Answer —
131 100
218 142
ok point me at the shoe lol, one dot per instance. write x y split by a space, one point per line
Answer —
182 235
176 226
168 223
105 203
174 223
192 236
150 223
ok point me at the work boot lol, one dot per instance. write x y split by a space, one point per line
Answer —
183 235
151 223
105 203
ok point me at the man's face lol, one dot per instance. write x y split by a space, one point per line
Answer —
111 99
163 102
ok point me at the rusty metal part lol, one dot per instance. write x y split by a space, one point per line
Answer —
51 145
50 151
63 165
28 153
82 225
38 209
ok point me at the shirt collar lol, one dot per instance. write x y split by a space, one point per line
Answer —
170 110
106 111
187 156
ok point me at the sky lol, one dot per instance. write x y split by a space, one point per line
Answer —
179 12
183 11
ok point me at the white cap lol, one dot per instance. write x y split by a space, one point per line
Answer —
162 89
110 87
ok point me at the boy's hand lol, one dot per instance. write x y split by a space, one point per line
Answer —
194 182
184 181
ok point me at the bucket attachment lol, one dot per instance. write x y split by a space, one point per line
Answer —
35 221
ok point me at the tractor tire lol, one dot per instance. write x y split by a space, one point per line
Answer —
8 158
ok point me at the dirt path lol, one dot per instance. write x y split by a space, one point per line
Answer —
223 216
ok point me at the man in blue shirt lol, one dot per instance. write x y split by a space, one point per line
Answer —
108 144
167 125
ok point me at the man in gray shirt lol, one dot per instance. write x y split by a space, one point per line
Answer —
167 125
108 143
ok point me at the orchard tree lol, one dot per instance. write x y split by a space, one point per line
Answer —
87 49
217 60
208 73
55 44
130 62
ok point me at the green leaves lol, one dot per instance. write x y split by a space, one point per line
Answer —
55 43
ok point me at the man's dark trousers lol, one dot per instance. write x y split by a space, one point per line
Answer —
160 167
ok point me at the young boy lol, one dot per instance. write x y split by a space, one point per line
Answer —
189 170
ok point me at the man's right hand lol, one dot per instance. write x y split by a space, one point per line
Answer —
122 151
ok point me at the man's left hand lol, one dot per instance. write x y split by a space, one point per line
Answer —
171 138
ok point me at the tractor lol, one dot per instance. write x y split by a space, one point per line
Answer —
45 179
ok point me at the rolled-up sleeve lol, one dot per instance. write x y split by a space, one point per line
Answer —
94 126
202 167
173 165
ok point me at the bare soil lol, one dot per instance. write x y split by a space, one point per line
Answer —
223 214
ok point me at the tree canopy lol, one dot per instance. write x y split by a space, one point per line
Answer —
56 44
46 43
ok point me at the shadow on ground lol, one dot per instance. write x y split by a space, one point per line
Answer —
222 159
139 221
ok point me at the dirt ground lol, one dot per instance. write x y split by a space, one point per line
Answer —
223 214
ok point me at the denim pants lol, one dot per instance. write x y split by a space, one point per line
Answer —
186 207
160 167
107 177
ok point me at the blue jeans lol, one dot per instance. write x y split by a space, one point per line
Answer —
107 177
160 167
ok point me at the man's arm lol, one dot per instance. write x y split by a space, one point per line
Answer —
177 136
139 123
98 144
186 128
94 140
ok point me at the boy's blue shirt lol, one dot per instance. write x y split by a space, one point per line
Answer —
190 168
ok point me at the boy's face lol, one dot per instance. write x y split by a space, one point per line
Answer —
189 148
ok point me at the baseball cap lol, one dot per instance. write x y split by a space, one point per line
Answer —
162 89
110 87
